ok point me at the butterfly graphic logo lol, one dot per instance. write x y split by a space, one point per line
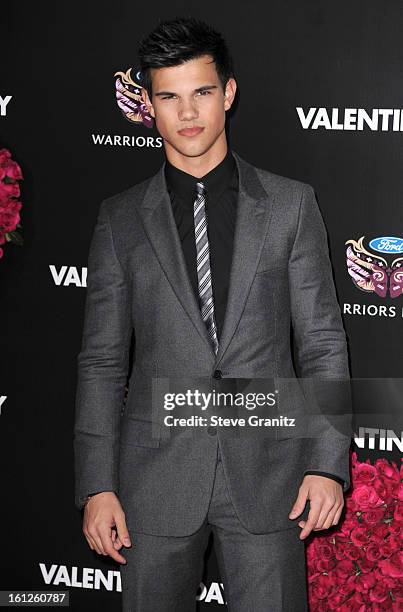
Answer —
371 272
129 98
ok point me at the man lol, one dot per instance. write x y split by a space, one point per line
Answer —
208 263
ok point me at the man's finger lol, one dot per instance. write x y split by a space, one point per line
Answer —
312 519
91 540
338 514
299 503
328 519
117 543
121 528
107 544
327 507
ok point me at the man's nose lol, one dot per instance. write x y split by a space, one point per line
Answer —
188 110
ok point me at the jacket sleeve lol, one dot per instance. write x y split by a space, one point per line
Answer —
320 341
102 366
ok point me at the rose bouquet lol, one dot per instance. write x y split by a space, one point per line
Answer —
10 206
359 567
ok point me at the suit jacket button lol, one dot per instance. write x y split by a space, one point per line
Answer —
211 430
217 374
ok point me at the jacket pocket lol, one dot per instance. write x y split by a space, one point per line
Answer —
135 432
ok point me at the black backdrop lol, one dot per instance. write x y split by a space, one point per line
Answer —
58 63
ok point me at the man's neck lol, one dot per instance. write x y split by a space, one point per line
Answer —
200 165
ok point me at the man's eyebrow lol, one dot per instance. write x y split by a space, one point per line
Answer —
172 93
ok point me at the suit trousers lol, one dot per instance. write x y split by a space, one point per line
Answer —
260 572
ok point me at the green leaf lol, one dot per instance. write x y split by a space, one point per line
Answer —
15 237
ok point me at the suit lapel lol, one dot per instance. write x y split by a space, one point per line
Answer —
253 215
160 227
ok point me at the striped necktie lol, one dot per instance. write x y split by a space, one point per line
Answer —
206 301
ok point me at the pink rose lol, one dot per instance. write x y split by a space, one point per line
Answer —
9 216
394 529
325 551
365 473
325 565
366 498
322 587
360 536
352 552
387 469
373 552
397 593
365 582
379 593
11 190
393 566
366 566
383 489
391 545
380 531
13 170
398 513
335 601
5 155
344 569
373 516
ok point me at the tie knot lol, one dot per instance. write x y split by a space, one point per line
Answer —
200 188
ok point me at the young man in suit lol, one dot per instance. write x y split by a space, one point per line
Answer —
208 263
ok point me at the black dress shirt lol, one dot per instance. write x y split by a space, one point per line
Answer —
221 183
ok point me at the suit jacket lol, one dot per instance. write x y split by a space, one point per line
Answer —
138 285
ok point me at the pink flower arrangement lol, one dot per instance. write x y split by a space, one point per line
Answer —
10 206
360 566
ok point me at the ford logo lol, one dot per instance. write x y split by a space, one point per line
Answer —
387 244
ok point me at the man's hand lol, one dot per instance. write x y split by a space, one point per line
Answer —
103 517
326 503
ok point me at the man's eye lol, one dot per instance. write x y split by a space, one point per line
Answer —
167 97
204 91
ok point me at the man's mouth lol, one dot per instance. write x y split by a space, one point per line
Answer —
190 131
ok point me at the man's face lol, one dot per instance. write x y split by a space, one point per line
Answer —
189 104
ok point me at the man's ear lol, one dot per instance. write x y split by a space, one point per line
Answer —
147 101
230 91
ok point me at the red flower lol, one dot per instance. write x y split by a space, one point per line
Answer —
373 516
13 171
5 155
365 497
360 536
359 567
365 473
9 215
379 593
393 566
322 587
9 190
398 513
387 470
373 552
10 174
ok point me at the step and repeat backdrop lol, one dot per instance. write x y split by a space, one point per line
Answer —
320 100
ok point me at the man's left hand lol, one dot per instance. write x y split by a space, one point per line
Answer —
326 500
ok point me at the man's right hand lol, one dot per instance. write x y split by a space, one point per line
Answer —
104 525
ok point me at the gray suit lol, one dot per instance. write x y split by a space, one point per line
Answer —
137 280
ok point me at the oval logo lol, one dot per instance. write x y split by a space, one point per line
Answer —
387 244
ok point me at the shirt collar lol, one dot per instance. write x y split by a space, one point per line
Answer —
183 185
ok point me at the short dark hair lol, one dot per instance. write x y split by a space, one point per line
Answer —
176 41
